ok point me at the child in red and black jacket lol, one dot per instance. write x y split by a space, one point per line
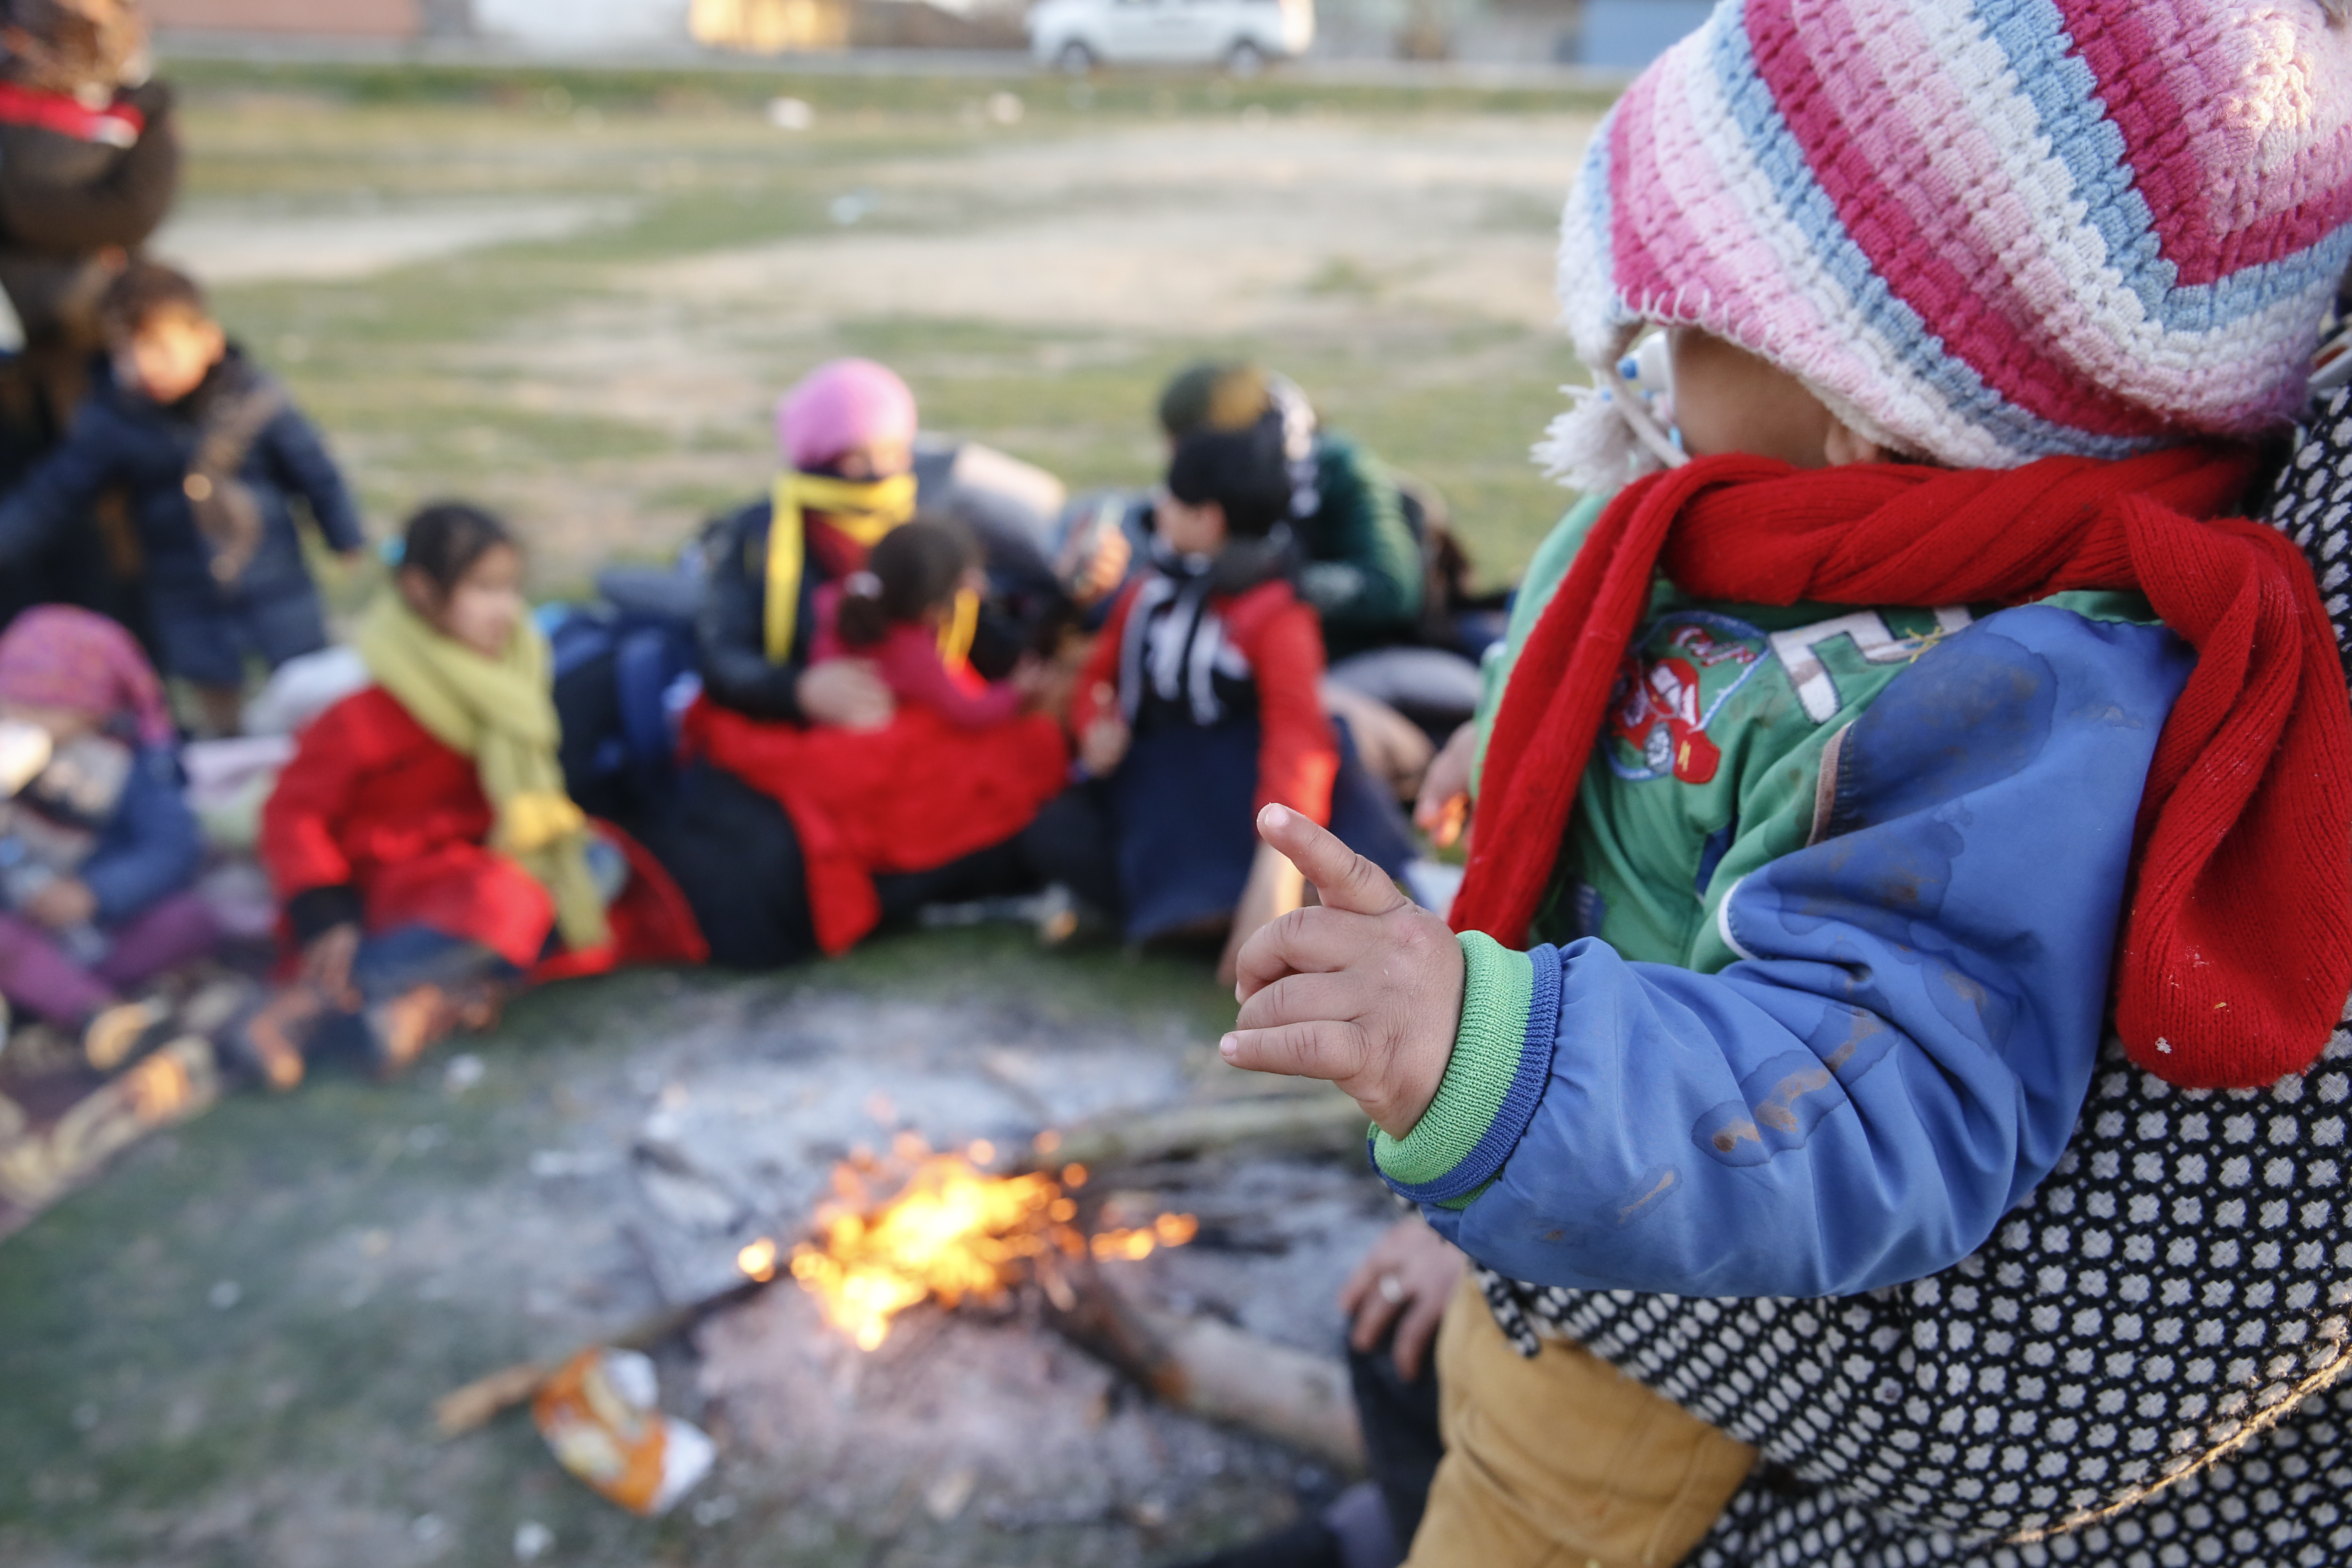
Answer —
1199 706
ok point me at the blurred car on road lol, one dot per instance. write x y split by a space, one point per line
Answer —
1241 36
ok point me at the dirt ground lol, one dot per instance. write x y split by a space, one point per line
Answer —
576 297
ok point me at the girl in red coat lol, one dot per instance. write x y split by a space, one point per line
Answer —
908 609
421 841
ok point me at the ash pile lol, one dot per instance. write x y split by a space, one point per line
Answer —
1160 1343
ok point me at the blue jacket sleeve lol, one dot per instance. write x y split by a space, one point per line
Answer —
308 470
61 488
1902 1050
151 849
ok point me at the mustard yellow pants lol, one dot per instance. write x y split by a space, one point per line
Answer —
1563 1461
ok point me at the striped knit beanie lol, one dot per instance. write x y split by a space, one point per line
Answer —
1982 231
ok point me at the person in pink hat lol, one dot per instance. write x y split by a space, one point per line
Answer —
1884 1060
99 851
738 842
846 437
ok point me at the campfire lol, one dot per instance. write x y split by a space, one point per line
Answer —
964 1226
921 1225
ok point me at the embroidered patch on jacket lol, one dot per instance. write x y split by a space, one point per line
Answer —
1673 683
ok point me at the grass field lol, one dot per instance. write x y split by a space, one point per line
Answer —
1035 255
576 296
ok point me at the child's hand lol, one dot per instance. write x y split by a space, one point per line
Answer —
1093 579
1056 679
64 904
1103 745
1444 809
1365 992
327 963
1035 679
849 692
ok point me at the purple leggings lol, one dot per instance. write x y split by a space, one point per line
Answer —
37 977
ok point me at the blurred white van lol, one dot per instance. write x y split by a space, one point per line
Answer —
1240 35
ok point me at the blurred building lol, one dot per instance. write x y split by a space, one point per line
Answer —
776 26
761 26
1610 34
345 18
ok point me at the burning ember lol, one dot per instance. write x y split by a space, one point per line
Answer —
949 1231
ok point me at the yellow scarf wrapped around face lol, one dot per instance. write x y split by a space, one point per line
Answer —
865 510
501 713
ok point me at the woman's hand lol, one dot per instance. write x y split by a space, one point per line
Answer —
1404 1280
847 693
1274 889
1444 809
64 904
327 964
1365 992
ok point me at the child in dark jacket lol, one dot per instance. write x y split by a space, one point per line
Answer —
1199 704
421 841
214 454
98 849
902 613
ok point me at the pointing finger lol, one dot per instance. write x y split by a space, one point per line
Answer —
1344 880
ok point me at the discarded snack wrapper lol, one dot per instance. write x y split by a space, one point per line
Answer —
598 1415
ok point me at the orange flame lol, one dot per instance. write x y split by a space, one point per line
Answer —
949 1231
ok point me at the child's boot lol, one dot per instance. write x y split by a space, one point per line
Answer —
271 1043
400 1030
122 1032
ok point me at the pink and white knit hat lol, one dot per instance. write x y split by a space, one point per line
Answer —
1982 231
839 406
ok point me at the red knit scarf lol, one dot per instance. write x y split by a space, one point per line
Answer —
2237 951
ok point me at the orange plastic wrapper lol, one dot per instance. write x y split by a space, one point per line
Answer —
598 1415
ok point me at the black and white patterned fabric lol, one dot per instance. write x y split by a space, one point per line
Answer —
2134 1373
2313 506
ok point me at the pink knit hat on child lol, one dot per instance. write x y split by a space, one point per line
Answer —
57 656
840 406
1982 231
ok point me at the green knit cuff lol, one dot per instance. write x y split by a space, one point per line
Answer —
1497 994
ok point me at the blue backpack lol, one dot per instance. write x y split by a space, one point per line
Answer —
625 673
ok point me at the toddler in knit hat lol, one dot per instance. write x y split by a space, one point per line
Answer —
1903 710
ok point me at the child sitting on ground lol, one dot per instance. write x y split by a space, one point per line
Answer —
902 611
1848 761
213 453
420 841
97 851
1200 700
